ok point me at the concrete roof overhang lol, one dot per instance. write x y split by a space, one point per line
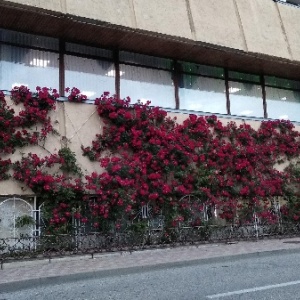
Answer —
92 32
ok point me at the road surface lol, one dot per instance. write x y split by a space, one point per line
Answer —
267 277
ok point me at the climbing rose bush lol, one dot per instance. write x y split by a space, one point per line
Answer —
146 158
155 160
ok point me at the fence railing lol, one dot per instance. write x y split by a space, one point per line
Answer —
50 246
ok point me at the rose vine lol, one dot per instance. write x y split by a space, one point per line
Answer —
148 159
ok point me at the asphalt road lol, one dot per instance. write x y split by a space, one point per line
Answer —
268 277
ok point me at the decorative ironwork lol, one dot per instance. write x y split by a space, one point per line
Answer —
48 246
17 218
146 230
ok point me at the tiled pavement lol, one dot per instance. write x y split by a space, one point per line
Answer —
20 273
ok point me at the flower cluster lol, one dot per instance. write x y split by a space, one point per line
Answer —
16 130
157 161
148 160
74 95
61 194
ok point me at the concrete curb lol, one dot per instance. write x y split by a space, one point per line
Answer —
53 280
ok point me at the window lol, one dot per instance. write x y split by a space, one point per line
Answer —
145 60
88 51
16 64
91 76
38 57
295 2
292 2
282 83
30 40
197 69
246 99
144 78
201 88
202 94
245 94
283 98
237 76
147 84
283 104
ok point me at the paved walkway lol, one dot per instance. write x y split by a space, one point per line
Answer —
58 269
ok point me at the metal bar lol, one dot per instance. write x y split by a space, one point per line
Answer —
176 78
117 72
227 91
61 67
264 96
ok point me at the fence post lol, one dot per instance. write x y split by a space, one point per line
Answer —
256 226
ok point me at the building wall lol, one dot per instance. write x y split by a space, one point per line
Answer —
73 129
255 27
76 129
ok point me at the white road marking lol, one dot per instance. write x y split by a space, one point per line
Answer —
255 289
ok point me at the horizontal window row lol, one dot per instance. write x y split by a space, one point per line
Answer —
37 61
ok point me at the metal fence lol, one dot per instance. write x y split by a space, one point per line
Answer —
50 246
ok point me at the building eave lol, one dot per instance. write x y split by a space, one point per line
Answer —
97 33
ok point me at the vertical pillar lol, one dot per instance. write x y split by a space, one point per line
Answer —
263 90
61 67
117 72
176 78
227 91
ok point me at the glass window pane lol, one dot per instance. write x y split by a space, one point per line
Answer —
147 84
145 60
243 76
76 48
246 99
188 67
202 94
282 83
283 104
92 77
28 39
32 68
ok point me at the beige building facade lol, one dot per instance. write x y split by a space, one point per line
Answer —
237 59
257 36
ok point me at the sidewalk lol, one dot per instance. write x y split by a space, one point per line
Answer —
22 274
